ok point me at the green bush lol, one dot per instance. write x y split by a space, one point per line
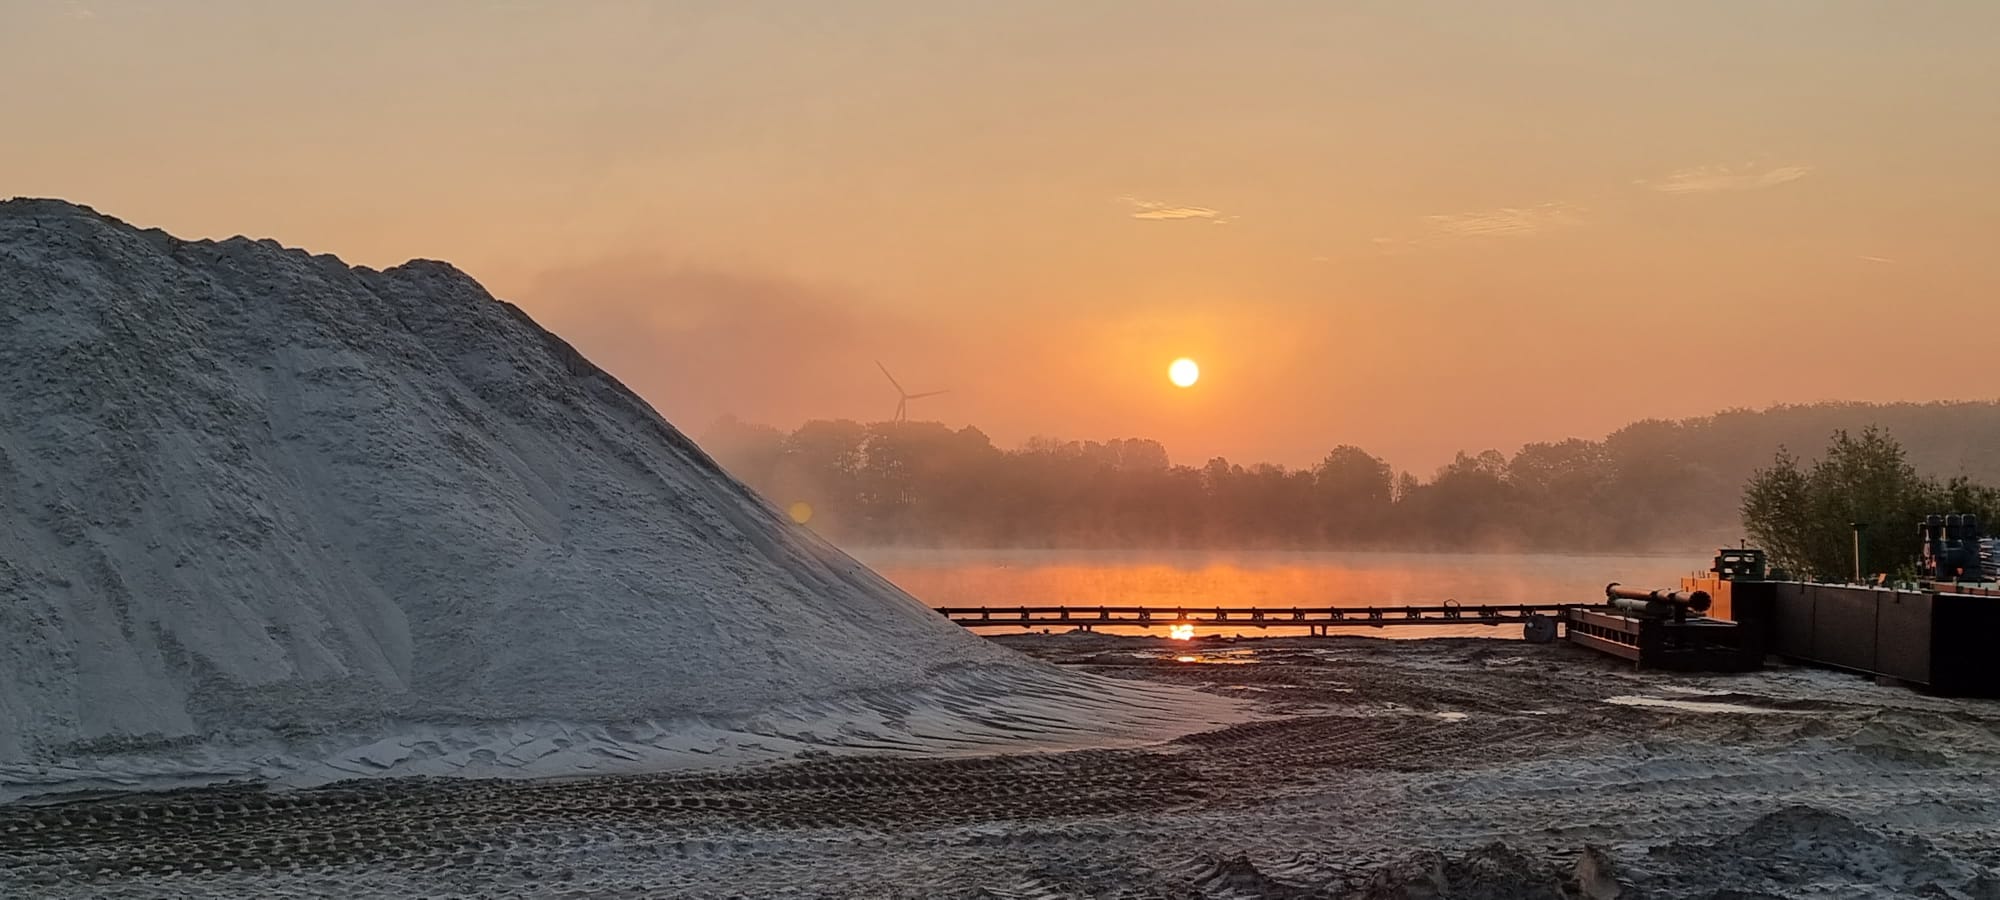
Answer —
1802 516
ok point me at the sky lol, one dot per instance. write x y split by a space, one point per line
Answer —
1410 226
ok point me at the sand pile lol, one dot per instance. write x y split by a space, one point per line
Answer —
266 514
1493 872
1802 850
1238 877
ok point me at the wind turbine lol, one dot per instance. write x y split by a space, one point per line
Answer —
903 397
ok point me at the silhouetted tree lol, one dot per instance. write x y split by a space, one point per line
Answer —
1352 491
1650 484
1565 487
1777 507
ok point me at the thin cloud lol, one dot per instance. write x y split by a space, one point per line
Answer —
1507 221
1155 210
1712 179
1394 246
1877 259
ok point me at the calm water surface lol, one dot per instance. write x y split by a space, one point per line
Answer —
1285 579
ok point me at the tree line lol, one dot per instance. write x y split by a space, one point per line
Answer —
1804 514
1654 484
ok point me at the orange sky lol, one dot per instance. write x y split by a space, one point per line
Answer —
1416 227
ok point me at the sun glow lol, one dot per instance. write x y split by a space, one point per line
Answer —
1181 632
1184 372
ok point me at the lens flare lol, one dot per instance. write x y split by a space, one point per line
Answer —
1181 632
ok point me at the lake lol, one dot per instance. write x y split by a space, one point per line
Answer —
1276 578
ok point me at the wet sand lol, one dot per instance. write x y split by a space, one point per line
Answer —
1449 767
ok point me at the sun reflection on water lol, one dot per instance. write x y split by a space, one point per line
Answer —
1269 579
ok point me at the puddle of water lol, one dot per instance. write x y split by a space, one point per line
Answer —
1453 716
1691 691
1214 660
1219 657
1707 706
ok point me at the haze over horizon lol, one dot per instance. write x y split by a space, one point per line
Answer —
1415 228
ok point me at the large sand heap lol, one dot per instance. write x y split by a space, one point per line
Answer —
263 513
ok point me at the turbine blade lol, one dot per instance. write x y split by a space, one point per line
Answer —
892 378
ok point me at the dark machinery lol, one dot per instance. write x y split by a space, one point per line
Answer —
1936 636
1951 548
1657 604
1738 564
1663 629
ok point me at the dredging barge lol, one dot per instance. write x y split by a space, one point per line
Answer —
1933 636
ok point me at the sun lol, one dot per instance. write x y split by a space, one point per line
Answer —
1184 372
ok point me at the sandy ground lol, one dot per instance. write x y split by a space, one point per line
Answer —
1442 768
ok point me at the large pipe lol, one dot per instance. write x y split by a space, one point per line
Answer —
1635 599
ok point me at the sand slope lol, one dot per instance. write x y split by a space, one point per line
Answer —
1447 769
261 510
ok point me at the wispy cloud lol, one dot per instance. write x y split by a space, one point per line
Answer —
1153 209
1877 259
79 11
1395 246
1710 179
1507 221
1444 229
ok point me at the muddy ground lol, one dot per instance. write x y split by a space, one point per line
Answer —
1386 768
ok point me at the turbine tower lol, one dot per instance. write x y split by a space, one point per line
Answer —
903 397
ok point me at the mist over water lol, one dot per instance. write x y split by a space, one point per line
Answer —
1651 487
1268 579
